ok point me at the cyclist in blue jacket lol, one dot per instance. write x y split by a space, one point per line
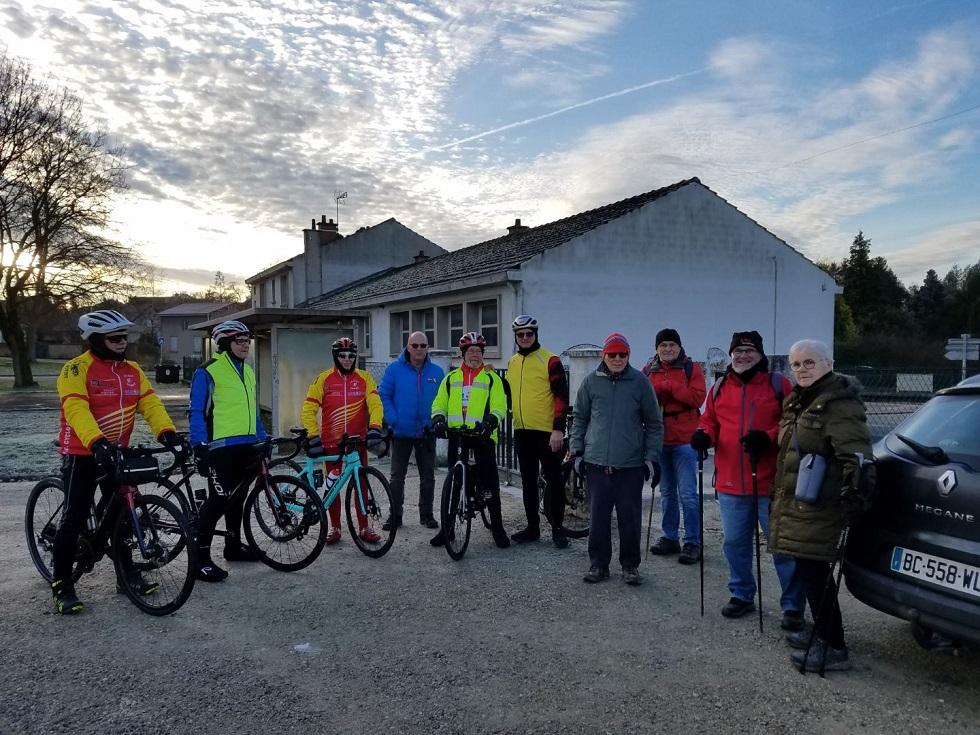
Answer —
225 423
407 389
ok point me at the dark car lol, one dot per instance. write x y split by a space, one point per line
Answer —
916 553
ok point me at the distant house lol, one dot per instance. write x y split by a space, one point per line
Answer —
680 256
179 341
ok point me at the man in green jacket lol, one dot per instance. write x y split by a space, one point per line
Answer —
617 435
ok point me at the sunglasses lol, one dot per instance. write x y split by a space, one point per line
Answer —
418 346
346 355
116 339
524 335
618 355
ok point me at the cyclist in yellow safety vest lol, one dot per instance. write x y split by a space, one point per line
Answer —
468 395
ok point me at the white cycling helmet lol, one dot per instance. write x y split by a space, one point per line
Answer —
102 322
524 321
228 329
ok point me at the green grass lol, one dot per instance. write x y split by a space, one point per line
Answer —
40 367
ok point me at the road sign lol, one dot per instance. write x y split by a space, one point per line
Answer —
160 341
972 343
957 354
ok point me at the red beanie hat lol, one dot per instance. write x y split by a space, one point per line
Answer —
615 342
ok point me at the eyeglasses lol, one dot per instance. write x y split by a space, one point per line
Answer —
415 346
745 351
524 335
242 340
116 339
807 364
618 355
346 355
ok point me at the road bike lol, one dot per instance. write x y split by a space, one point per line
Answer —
284 519
147 537
367 502
578 502
462 500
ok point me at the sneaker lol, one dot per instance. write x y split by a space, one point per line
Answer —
799 639
333 537
500 538
631 576
438 540
139 585
428 521
831 659
792 620
392 522
596 574
237 551
665 546
527 535
736 608
690 554
211 572
559 539
369 535
66 602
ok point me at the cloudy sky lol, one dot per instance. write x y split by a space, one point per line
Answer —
242 119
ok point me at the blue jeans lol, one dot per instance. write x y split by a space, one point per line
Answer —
679 480
738 526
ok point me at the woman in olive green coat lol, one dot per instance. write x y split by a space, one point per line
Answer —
823 415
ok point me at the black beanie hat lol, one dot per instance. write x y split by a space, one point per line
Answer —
747 339
667 335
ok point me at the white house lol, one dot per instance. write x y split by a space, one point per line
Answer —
680 256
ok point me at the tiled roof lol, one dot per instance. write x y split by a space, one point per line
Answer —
485 258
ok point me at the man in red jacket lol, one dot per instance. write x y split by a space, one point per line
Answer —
741 420
678 382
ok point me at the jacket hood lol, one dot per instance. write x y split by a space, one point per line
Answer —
833 386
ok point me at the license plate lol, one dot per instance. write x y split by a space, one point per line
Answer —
936 570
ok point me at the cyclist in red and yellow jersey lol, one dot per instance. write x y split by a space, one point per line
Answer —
100 392
342 400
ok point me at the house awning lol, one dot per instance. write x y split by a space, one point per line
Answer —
258 319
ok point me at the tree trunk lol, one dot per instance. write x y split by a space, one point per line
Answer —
20 355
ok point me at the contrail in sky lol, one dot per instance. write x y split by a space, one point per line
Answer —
577 105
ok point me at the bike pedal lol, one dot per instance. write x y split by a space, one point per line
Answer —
200 494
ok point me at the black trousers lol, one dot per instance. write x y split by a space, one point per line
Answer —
484 454
534 451
622 490
79 474
233 469
826 611
425 458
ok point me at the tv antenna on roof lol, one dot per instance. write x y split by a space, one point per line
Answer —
338 200
717 360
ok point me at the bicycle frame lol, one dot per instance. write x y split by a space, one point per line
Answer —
350 464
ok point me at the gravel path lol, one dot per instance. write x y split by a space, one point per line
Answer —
506 641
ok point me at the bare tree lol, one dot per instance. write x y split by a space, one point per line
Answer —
57 180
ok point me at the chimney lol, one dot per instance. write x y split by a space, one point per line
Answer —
330 226
421 257
517 228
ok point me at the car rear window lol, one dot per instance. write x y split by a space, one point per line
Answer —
949 422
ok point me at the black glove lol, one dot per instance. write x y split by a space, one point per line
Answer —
169 439
701 441
490 425
755 442
651 472
201 459
314 447
374 436
439 427
105 454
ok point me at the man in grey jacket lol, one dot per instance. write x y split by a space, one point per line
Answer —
617 435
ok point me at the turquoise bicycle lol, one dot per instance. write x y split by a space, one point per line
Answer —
367 502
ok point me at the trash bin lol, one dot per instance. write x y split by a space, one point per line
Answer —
168 373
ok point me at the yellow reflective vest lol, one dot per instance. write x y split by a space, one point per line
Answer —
532 402
486 397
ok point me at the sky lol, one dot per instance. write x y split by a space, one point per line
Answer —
242 120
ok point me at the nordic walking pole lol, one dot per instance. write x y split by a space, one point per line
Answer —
826 602
701 457
650 520
754 463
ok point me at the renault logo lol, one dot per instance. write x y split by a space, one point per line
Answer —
946 482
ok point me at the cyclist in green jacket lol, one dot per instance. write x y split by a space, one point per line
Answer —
471 394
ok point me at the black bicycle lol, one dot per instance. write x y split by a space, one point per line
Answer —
147 537
462 500
578 508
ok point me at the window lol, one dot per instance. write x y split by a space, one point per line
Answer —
399 331
173 344
198 345
482 317
185 324
424 320
449 326
284 290
366 339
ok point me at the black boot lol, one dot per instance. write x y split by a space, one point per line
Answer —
66 602
394 521
497 522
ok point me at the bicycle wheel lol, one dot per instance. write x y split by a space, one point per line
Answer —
177 494
372 503
42 519
154 555
294 468
578 506
455 514
285 522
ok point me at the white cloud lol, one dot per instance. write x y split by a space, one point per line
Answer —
957 244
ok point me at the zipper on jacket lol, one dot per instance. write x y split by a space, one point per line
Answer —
612 413
122 412
248 404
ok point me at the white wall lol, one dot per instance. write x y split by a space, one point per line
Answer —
688 261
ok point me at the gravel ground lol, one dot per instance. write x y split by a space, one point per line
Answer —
506 641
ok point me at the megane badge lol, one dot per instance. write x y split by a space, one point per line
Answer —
946 482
